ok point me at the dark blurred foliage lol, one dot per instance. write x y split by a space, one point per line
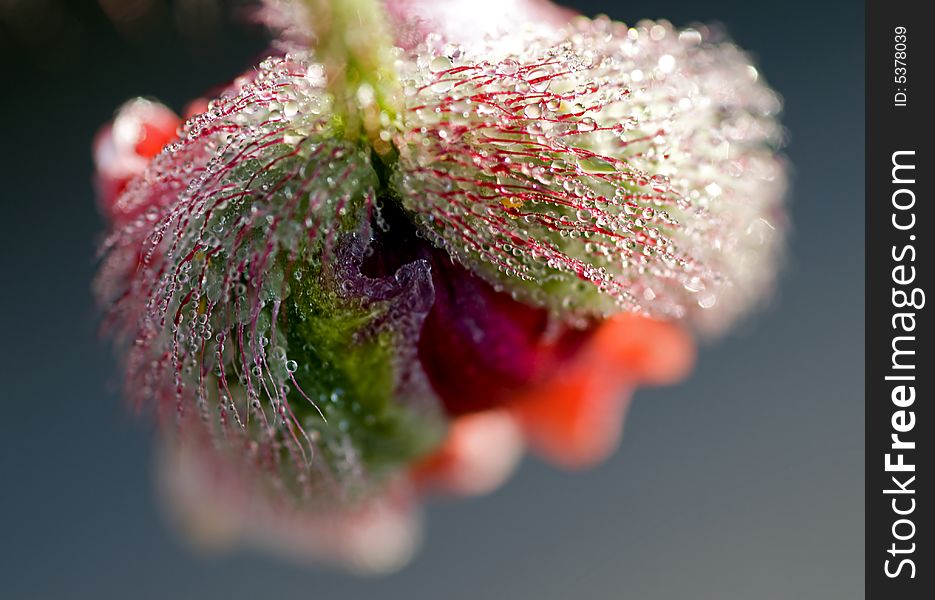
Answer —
71 47
55 37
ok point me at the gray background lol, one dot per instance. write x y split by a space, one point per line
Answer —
743 482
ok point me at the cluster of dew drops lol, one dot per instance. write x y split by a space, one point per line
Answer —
247 201
634 162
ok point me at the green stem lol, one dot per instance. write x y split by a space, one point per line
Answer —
355 46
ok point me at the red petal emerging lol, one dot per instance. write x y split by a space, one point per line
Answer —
123 148
480 347
487 354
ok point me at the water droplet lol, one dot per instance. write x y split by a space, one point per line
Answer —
440 63
659 183
442 86
532 111
508 67
587 124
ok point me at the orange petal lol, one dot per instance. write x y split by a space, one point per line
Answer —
480 452
124 148
655 352
154 135
575 418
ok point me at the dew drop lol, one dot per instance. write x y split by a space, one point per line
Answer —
442 86
508 67
587 124
440 63
532 111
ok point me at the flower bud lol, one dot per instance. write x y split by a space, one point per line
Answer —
598 169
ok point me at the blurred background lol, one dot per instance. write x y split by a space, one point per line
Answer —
744 482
